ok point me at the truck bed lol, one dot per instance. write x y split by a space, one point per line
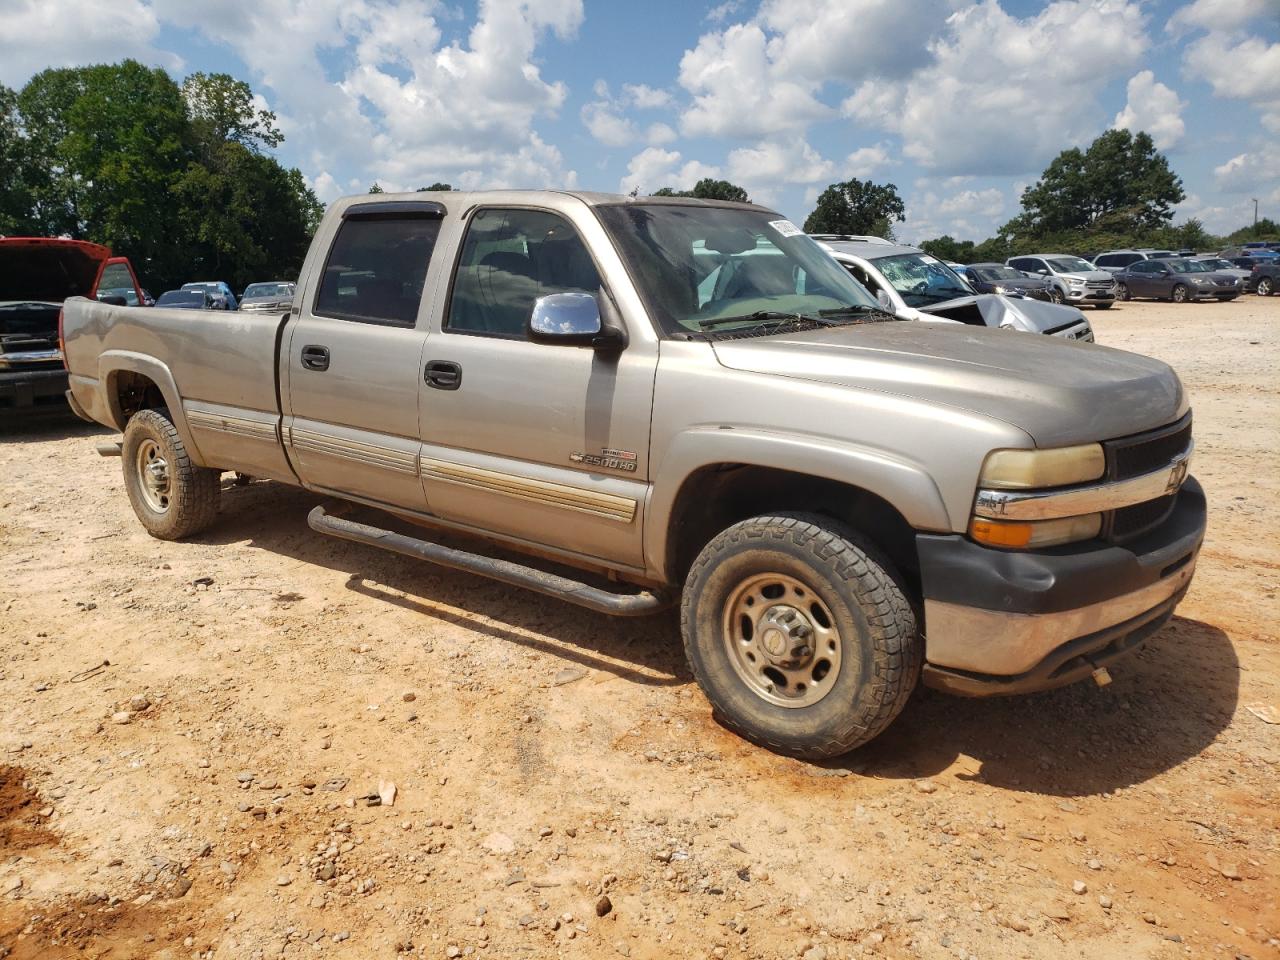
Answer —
226 363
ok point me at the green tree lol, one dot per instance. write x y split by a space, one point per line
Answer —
858 207
376 188
437 186
709 189
17 200
947 247
222 109
1121 183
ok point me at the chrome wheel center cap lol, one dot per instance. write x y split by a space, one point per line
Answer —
784 634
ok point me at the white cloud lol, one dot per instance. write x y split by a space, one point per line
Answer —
35 34
644 97
773 162
865 162
659 133
723 11
1004 94
1251 172
738 93
1234 60
942 208
607 126
654 168
1219 14
1152 107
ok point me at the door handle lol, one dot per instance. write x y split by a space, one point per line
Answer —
315 357
443 374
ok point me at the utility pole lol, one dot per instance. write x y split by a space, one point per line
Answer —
1255 213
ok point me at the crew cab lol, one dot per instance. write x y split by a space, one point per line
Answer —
682 402
36 275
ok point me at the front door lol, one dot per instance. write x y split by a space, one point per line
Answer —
538 442
354 357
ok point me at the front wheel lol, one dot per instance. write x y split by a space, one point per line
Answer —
800 635
1266 287
171 496
1055 295
1103 306
1179 294
1122 292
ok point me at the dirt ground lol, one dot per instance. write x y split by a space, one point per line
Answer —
190 734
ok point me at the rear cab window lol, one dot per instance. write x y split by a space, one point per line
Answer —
377 266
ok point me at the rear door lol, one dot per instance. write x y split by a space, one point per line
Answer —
352 364
539 442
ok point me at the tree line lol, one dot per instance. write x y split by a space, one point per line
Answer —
1118 192
177 177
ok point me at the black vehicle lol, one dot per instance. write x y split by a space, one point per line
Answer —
997 278
187 300
1264 278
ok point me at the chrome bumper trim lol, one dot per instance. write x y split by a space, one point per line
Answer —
1078 501
1005 644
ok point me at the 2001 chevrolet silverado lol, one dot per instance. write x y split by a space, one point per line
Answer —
695 399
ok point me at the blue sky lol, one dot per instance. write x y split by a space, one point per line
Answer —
959 103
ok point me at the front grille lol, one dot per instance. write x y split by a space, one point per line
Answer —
1128 522
1144 452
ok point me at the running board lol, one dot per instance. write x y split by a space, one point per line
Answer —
518 575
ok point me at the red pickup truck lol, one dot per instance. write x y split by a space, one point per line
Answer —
36 275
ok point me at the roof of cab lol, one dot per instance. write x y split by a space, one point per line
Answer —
465 199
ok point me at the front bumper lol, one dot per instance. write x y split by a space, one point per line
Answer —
1003 622
29 393
1090 296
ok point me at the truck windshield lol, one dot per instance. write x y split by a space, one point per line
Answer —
699 267
921 279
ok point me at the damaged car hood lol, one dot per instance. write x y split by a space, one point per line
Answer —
1036 316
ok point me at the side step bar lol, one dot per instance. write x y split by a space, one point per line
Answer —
518 575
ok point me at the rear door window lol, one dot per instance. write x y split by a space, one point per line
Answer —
377 268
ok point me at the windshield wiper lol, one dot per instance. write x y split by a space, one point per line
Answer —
760 315
859 310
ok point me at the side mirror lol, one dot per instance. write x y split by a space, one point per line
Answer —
882 297
571 319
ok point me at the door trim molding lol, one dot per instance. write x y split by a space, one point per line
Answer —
387 458
543 492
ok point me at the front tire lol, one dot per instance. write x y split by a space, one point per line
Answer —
1266 287
1122 292
1103 306
1179 293
1055 295
171 496
800 635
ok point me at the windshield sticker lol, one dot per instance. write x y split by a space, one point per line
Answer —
925 258
786 228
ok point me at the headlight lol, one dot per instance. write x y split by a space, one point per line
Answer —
1040 533
1009 291
1054 467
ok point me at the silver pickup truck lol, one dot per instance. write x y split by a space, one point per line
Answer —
682 402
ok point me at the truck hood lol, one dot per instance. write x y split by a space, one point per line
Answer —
1058 392
47 270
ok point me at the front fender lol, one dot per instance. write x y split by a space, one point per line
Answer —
111 363
902 484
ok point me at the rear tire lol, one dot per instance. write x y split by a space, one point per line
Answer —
171 496
800 635
1266 287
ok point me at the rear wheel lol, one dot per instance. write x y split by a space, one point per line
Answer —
171 496
1122 292
1266 287
1179 293
799 634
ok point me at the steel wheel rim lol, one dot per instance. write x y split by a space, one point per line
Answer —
782 640
154 481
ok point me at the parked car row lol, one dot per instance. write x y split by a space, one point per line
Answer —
218 295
